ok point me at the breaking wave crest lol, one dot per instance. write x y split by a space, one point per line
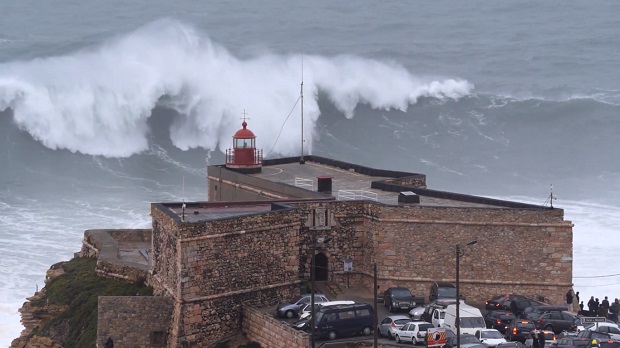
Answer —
97 101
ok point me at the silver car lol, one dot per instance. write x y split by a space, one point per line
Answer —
416 313
291 309
390 324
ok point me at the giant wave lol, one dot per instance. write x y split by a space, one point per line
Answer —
97 101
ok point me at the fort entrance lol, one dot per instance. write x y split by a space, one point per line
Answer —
321 269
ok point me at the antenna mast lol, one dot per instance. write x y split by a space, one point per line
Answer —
551 196
301 159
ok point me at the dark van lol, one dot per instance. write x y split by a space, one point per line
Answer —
442 290
344 320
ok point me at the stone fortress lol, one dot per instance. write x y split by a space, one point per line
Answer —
213 264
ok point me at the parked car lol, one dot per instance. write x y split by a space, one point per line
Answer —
520 305
592 334
398 298
291 309
416 312
572 342
611 330
467 341
442 290
502 302
304 310
413 331
603 344
499 320
519 330
390 324
470 319
439 317
550 339
515 344
533 312
556 322
427 315
490 337
344 320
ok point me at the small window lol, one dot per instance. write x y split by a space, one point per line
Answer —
346 315
362 313
330 317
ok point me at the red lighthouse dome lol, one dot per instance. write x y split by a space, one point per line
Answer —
244 156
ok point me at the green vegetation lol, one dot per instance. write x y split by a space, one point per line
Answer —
78 288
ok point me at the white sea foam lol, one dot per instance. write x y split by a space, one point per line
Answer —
97 101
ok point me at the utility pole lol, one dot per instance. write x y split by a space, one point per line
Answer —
376 318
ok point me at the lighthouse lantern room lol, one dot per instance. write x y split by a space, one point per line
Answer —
244 156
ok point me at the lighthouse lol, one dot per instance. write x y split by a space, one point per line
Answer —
244 157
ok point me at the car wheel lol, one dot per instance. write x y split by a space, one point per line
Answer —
289 314
332 335
413 341
367 331
397 338
549 327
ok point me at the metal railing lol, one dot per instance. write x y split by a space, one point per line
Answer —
305 183
356 195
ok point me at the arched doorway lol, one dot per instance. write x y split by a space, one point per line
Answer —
320 267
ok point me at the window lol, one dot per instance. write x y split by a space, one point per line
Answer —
362 313
386 321
346 315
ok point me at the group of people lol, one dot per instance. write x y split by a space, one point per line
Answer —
538 339
596 308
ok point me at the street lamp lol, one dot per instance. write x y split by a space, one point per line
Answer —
459 253
312 322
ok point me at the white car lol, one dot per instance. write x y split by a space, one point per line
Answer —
305 311
390 324
413 331
490 337
439 315
611 329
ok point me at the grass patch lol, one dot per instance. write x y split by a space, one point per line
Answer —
79 288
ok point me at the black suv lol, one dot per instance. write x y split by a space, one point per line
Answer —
398 298
519 330
556 322
442 290
499 320
591 334
534 312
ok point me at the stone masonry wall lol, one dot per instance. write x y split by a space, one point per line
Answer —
220 264
134 321
525 251
269 332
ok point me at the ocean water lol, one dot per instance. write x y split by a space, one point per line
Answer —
106 107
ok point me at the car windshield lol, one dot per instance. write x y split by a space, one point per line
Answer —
401 293
469 339
446 292
472 322
401 322
425 327
491 334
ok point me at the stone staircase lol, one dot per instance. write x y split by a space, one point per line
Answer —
329 288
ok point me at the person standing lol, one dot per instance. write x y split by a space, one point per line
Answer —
541 339
591 305
577 296
109 343
534 339
581 309
614 309
569 299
